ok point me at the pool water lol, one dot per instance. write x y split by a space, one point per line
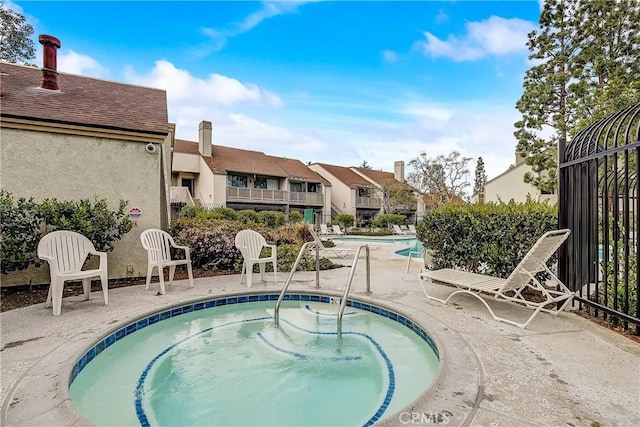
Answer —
233 366
413 244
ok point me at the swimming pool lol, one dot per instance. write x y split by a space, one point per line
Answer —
224 362
413 244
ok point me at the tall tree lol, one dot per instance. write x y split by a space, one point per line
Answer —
365 165
545 104
443 178
397 196
15 42
586 68
481 177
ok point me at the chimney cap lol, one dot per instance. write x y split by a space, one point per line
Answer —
47 39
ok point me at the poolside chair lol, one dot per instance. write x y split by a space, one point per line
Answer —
337 230
512 288
412 229
158 244
250 244
324 230
66 252
339 252
397 230
424 259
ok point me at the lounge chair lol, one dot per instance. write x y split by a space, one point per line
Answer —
512 288
250 244
339 252
337 230
397 230
324 230
66 251
158 244
412 229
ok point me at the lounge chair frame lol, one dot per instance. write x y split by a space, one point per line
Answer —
511 289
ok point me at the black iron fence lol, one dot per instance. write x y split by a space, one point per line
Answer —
598 201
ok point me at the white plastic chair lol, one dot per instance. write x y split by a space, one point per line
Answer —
250 244
66 251
337 230
158 244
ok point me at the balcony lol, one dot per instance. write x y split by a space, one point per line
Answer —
306 199
256 195
368 203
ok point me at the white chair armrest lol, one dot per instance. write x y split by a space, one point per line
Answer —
103 258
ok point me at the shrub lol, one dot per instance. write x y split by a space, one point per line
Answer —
271 219
248 216
22 228
346 220
296 216
485 238
385 220
191 211
25 222
94 220
211 248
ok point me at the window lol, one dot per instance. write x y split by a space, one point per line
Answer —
312 187
296 187
363 192
260 183
236 181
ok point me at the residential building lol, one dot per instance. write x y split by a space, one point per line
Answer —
510 185
359 191
414 211
72 137
217 176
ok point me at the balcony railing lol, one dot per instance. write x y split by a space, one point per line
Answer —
368 202
300 198
256 195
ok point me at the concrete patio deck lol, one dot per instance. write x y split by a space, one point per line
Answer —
561 371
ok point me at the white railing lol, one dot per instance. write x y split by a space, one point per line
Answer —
306 198
368 202
245 194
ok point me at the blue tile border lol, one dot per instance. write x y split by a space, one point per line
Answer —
131 328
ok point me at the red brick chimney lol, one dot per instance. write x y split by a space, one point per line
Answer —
50 62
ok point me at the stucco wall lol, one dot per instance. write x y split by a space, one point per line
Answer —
50 165
342 197
511 185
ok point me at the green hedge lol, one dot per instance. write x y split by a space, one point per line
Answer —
24 223
485 238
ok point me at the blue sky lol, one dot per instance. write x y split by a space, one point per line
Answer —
320 81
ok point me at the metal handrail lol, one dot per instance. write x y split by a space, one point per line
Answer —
343 303
293 270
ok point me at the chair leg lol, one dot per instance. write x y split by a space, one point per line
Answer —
86 288
249 274
48 303
104 283
56 295
161 276
244 268
262 268
149 273
172 271
275 272
190 273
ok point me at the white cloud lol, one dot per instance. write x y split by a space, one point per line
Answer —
495 36
78 63
215 90
389 56
218 38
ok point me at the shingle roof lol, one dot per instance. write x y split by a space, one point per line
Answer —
376 176
229 160
380 177
345 175
82 101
